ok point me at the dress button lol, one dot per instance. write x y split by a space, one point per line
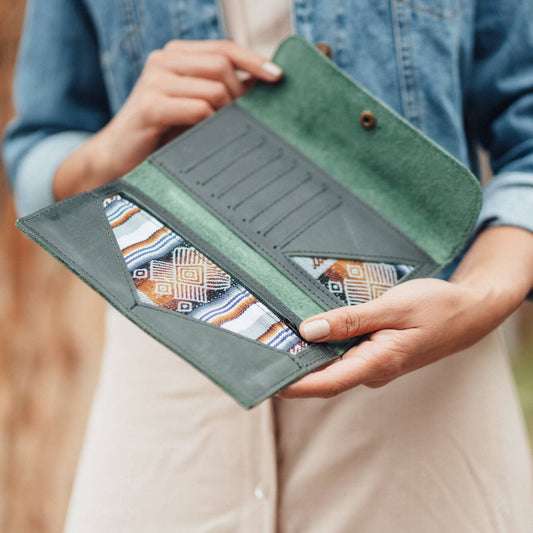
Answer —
324 48
260 492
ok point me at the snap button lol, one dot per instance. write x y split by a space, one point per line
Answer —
367 120
324 48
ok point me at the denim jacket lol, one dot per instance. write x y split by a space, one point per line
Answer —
459 70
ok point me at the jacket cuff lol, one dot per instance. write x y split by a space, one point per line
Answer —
33 183
508 201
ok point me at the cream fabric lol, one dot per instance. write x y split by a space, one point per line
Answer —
440 450
259 25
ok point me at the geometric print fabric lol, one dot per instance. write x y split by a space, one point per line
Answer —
168 272
354 282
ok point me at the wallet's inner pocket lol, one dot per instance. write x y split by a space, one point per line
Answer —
353 282
170 273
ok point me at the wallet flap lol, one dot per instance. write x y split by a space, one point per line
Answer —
417 186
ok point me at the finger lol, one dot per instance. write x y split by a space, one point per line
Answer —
352 321
357 367
170 111
211 66
214 92
241 57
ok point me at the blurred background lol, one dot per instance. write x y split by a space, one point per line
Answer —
51 336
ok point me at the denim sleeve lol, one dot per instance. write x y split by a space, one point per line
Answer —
60 98
502 106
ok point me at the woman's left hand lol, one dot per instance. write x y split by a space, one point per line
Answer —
421 321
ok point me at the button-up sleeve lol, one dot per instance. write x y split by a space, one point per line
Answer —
60 99
501 104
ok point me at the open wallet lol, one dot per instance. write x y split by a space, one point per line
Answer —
300 197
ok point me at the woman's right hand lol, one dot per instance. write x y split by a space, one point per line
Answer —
180 85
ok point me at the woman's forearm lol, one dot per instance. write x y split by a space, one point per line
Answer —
499 263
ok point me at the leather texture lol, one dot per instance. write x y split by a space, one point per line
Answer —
280 174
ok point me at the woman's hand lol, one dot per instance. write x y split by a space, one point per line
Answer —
421 321
180 85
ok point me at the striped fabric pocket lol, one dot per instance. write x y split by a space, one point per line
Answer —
353 282
168 272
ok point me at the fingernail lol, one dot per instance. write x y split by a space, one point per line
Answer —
272 69
315 330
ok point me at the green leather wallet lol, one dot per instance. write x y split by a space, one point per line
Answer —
300 197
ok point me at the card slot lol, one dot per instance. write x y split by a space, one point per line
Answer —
192 146
292 201
263 160
296 211
261 218
207 171
268 196
287 169
303 216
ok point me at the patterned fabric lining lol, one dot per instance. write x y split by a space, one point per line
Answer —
354 282
169 272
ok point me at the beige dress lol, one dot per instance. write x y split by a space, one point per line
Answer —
442 450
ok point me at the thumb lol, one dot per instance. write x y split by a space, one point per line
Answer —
352 321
